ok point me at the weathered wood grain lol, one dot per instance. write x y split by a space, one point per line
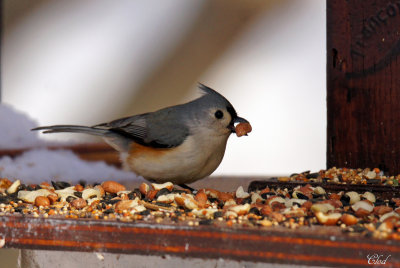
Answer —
316 246
363 95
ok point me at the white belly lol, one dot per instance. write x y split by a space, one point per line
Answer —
186 163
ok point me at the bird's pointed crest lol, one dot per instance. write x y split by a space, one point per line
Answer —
217 99
208 90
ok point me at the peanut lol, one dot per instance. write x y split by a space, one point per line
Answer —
113 187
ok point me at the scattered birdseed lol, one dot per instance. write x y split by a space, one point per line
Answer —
286 203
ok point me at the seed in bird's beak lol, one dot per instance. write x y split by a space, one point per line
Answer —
239 120
242 129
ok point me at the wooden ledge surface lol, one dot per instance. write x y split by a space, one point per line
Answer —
307 246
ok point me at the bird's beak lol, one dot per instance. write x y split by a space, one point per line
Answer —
236 120
240 120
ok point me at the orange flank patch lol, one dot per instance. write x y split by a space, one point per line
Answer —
138 150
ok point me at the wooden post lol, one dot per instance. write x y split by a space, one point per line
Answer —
1 43
363 73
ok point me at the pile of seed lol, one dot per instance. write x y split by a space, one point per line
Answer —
345 176
357 213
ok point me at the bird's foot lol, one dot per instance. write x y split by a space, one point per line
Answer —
184 186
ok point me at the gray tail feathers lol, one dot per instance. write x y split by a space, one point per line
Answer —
74 129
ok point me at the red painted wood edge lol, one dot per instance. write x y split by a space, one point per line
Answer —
251 244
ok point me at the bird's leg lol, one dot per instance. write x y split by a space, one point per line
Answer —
184 186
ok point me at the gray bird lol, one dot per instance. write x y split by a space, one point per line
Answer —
180 144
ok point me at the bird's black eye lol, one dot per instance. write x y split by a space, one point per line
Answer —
219 114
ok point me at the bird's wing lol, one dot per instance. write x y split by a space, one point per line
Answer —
158 130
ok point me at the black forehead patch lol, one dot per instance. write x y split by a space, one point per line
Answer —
231 111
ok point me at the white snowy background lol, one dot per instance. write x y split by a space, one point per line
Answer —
273 73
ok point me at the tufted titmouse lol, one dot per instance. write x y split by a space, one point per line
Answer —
181 144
